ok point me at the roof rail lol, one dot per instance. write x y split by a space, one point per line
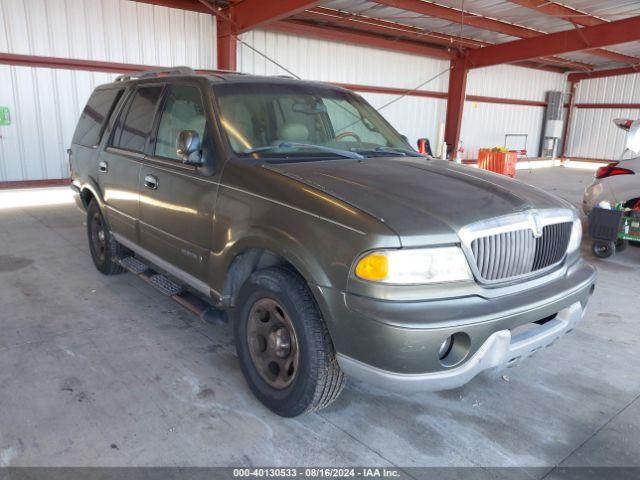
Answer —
156 73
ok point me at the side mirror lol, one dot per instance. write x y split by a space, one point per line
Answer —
424 146
189 150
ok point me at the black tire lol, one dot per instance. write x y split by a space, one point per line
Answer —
317 379
105 251
621 245
603 249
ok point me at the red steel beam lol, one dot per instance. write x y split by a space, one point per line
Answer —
71 64
455 104
458 16
567 118
614 72
440 95
112 67
576 17
250 14
608 105
189 5
561 11
409 32
386 27
297 27
584 38
227 45
474 20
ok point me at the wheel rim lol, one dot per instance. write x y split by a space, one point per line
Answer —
273 344
98 237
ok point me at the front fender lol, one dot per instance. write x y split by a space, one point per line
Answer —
274 240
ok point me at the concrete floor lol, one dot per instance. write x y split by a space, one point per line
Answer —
106 371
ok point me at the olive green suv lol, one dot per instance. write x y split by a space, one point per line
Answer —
333 246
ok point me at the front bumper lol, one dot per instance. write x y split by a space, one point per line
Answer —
395 344
501 349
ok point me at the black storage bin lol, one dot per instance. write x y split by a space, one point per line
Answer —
604 224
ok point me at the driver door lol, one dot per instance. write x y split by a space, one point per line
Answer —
177 201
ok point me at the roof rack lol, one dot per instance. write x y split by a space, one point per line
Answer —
156 73
174 71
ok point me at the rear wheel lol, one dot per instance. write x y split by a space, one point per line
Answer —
603 249
105 251
284 348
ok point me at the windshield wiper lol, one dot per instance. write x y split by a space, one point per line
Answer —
391 150
335 151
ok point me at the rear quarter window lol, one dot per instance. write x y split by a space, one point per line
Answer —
94 116
136 121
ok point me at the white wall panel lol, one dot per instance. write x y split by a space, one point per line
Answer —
486 124
323 60
592 133
328 61
415 117
109 30
508 81
620 89
46 103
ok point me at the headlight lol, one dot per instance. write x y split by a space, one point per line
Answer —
576 236
414 266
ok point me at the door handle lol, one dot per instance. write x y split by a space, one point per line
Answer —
103 167
151 182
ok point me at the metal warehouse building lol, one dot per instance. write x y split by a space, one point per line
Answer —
54 53
319 238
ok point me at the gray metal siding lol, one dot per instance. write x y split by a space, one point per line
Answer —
46 103
592 133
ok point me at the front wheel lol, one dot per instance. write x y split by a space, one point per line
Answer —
285 351
603 249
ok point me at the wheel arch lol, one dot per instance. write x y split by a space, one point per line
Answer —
263 249
251 259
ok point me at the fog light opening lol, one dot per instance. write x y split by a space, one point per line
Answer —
454 349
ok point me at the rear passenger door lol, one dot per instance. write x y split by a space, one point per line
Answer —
177 201
120 163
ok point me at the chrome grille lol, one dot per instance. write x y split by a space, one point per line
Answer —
518 252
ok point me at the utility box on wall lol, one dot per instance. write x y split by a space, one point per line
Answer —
553 124
5 116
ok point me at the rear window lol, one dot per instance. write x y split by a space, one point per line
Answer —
136 121
91 124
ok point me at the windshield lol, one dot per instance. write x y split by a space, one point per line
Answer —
283 121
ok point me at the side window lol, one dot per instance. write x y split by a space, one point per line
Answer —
92 120
183 110
136 121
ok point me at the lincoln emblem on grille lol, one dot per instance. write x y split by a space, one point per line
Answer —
536 224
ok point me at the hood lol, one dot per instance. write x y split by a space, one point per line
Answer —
421 200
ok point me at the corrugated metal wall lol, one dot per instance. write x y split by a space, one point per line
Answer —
322 60
486 124
45 103
592 133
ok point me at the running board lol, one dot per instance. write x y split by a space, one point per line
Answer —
168 287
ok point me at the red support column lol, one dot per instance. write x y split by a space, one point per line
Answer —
227 45
455 103
567 120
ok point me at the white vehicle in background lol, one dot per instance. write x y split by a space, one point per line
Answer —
618 182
